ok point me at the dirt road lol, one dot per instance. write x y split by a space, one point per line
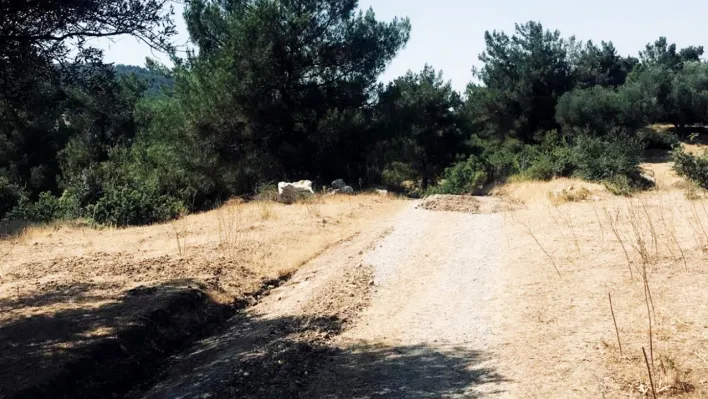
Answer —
506 298
427 304
429 331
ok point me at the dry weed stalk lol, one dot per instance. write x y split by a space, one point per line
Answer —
180 238
651 380
639 245
569 222
673 383
614 320
553 262
265 209
599 222
651 337
671 230
313 208
550 212
229 218
613 227
652 230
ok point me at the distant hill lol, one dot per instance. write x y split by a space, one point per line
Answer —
155 80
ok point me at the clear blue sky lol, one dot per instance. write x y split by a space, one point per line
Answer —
449 34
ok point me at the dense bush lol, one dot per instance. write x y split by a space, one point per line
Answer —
652 139
396 175
46 208
127 206
600 159
692 167
465 177
10 195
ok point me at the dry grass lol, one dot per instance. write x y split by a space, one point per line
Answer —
569 195
65 286
651 260
266 238
549 191
228 251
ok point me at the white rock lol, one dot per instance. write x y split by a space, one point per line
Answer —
302 185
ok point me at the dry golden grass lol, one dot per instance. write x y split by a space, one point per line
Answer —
549 191
66 286
266 238
569 195
649 252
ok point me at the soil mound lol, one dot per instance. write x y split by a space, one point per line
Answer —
467 204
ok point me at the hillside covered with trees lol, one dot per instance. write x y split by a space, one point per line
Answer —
283 90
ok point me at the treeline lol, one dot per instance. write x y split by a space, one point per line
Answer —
157 82
281 90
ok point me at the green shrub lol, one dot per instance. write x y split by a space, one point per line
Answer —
86 187
70 205
620 185
10 195
599 159
542 168
691 167
127 206
45 209
654 140
396 174
266 192
503 161
465 177
563 165
292 195
552 158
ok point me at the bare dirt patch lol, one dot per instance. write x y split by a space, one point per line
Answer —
468 204
66 290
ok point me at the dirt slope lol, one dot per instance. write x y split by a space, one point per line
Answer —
419 300
257 355
77 301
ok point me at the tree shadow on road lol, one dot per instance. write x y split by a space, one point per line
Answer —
106 345
418 371
292 357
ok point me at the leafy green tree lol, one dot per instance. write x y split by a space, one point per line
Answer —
602 111
55 86
679 96
598 66
158 82
42 40
523 75
280 89
421 111
662 54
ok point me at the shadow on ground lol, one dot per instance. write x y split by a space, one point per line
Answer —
83 340
418 371
291 357
174 341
